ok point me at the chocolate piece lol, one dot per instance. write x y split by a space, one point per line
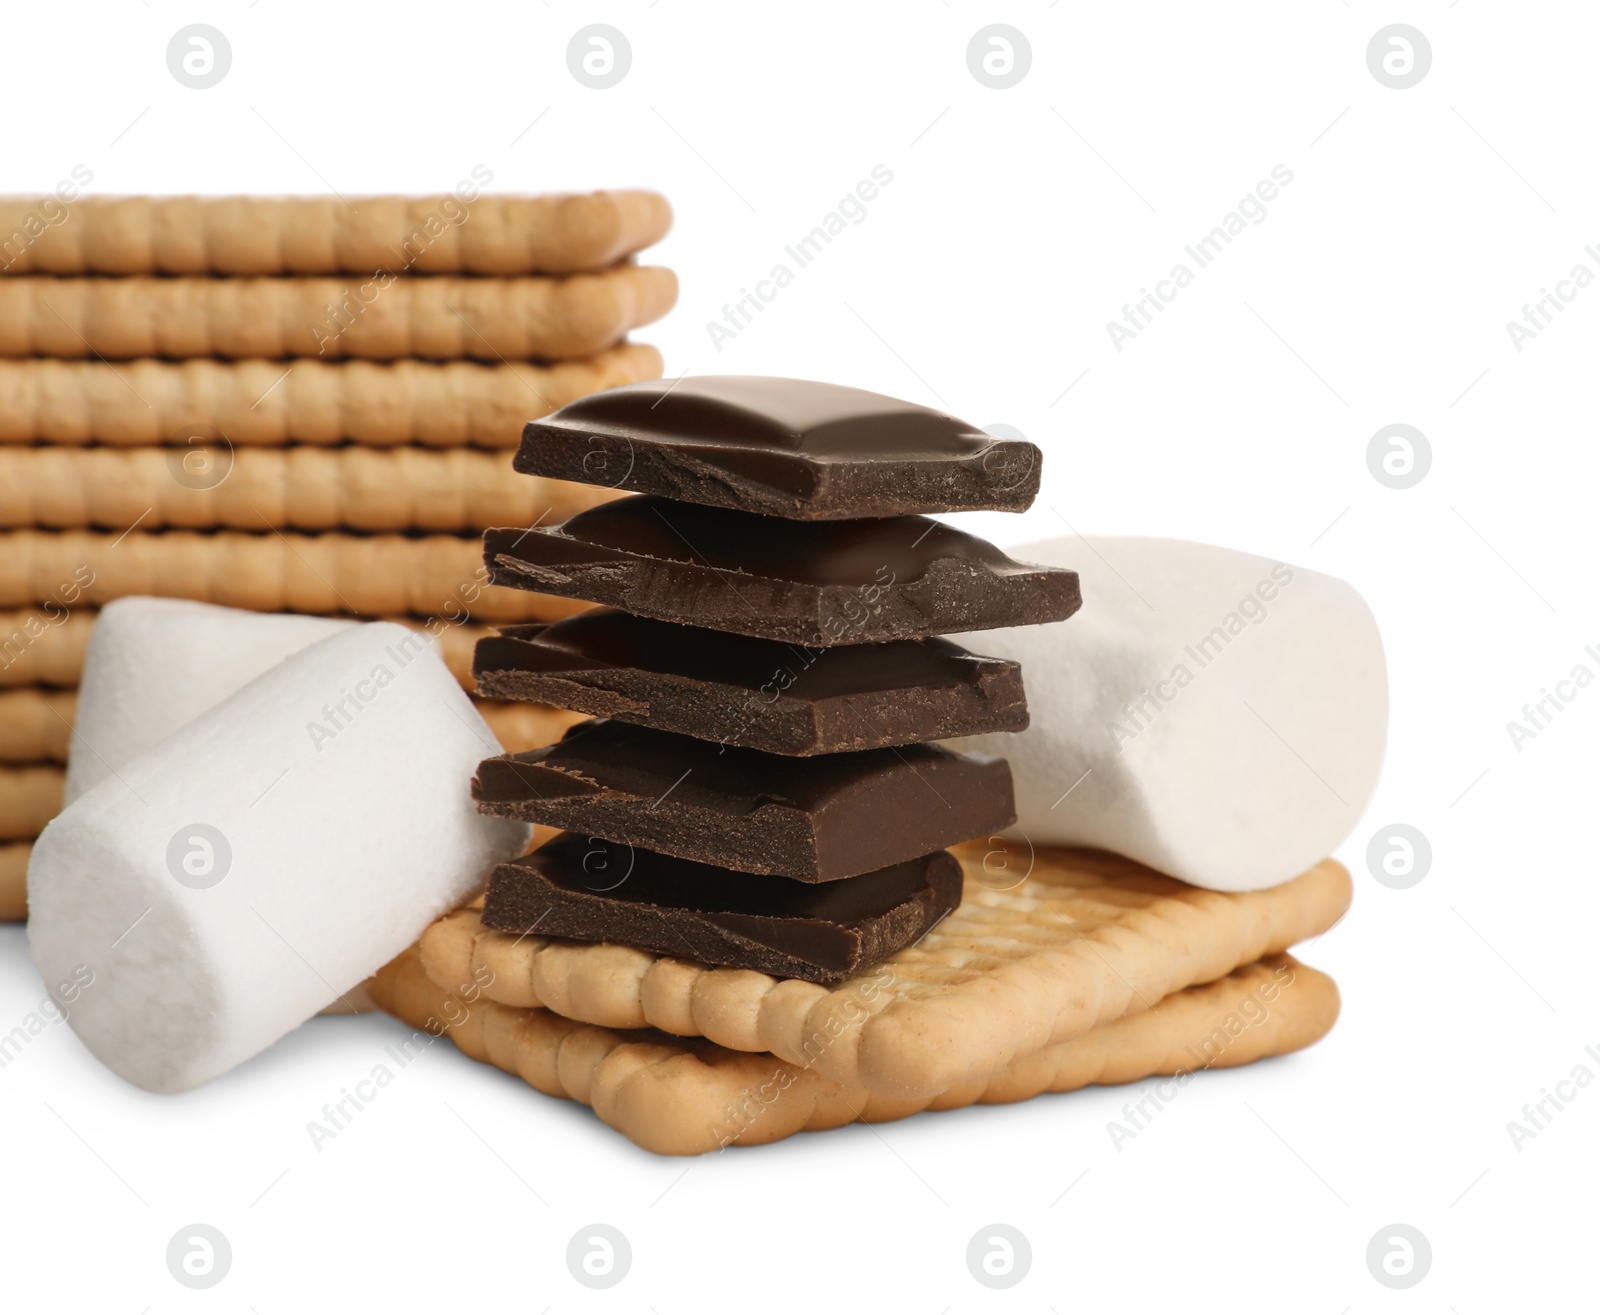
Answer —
758 693
783 447
589 890
813 819
816 583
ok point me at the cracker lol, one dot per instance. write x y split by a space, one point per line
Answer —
678 1097
382 318
502 235
1087 937
29 797
268 572
14 880
45 645
302 488
270 403
36 724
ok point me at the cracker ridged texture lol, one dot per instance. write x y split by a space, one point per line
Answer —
209 486
382 318
29 797
1087 937
685 1097
14 858
500 235
36 724
272 403
270 572
46 646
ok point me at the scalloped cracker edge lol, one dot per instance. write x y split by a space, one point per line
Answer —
1085 938
685 1097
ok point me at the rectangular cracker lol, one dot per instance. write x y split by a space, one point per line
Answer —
379 318
685 1097
271 403
29 797
430 575
36 724
45 646
206 486
14 858
450 234
1086 937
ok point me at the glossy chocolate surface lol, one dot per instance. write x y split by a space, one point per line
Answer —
758 693
589 890
820 583
815 819
783 447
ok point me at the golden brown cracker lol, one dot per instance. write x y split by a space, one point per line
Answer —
303 488
428 575
271 403
14 858
36 724
463 233
684 1097
1086 937
29 797
43 645
381 318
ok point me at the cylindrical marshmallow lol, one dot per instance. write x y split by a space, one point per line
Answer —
266 857
1218 716
154 664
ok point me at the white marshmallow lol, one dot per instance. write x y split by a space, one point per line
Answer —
155 664
1212 714
266 857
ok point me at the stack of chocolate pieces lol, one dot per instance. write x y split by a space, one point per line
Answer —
758 787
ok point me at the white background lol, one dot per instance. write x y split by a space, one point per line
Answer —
1018 223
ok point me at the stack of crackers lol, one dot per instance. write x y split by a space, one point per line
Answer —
298 404
1091 970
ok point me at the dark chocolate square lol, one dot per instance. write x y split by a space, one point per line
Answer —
816 583
590 890
810 819
758 693
781 447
